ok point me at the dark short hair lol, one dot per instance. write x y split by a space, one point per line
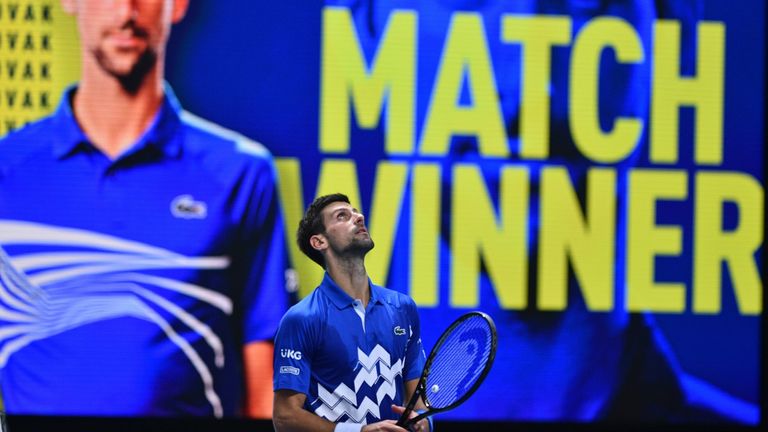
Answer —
312 223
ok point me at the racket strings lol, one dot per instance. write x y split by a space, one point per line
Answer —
459 362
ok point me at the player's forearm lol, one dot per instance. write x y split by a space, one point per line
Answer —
300 421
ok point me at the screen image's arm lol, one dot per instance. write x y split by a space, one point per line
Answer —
262 264
257 367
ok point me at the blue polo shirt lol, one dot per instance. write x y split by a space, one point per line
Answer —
351 363
129 285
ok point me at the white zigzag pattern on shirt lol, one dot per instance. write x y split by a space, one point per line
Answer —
87 287
375 367
344 401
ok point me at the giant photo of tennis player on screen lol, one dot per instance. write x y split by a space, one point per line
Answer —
588 173
142 255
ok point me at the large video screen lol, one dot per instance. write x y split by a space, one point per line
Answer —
588 173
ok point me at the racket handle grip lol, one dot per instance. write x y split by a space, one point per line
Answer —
403 420
406 423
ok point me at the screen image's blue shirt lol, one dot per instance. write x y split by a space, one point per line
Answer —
351 364
128 286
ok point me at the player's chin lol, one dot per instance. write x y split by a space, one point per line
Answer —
363 243
123 62
118 62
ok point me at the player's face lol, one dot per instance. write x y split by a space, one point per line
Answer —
345 230
125 37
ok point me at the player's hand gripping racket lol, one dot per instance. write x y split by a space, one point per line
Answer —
456 366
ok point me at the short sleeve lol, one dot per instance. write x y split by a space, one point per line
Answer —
415 357
263 255
293 353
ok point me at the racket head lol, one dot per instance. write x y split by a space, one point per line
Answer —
459 361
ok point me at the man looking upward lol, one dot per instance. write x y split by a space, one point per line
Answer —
142 247
348 355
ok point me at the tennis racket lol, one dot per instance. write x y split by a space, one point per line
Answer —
456 366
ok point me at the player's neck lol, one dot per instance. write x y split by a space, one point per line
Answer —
111 117
351 277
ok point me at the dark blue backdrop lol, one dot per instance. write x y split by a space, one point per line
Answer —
255 67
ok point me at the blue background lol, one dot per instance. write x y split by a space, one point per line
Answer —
255 67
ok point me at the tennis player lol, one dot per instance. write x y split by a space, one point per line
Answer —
145 265
348 355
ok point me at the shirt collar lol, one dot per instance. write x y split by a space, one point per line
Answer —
71 138
341 299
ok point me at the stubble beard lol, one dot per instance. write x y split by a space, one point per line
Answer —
132 79
362 246
356 248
